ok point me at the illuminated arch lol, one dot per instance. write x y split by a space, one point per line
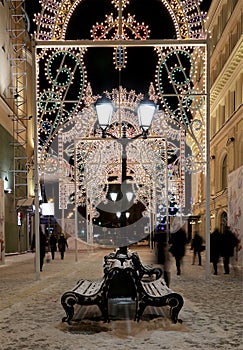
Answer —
54 17
63 93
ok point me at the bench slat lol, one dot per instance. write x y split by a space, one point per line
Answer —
156 288
86 292
86 287
82 286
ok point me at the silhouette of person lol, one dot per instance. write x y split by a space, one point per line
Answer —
178 242
42 246
229 242
53 245
62 244
215 249
196 246
163 256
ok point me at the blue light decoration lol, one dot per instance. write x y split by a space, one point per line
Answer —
60 90
49 101
175 74
181 86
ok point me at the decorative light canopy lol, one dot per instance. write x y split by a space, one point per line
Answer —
53 20
82 163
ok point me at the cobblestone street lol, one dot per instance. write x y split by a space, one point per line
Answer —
31 312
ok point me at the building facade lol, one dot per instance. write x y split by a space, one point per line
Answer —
224 24
16 127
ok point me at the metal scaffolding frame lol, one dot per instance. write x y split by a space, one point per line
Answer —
18 94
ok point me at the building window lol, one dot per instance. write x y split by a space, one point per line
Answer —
221 115
224 173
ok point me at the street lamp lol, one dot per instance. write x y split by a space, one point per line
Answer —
113 196
129 196
145 111
127 214
104 109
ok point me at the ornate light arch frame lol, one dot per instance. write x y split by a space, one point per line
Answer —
54 17
190 86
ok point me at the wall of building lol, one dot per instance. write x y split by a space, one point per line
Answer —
226 96
6 157
16 237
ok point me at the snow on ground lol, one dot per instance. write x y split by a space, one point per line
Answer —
31 312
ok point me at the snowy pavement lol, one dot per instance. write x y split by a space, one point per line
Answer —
31 312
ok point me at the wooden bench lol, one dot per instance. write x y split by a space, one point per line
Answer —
86 292
122 279
156 293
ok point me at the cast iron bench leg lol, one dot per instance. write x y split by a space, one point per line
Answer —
86 293
175 303
68 301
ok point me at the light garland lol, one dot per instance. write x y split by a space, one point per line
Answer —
52 22
57 103
120 28
99 160
177 76
67 114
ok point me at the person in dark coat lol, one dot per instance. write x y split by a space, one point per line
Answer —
215 249
197 247
163 256
53 245
229 242
42 247
62 244
178 247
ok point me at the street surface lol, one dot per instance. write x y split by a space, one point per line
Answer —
31 312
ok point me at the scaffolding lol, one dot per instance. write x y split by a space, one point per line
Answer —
18 95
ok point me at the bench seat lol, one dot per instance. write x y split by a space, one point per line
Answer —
86 292
156 293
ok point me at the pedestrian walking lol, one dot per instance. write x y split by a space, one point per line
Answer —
178 247
229 242
215 249
62 244
42 247
163 256
197 247
53 245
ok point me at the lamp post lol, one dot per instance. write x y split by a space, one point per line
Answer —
145 112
